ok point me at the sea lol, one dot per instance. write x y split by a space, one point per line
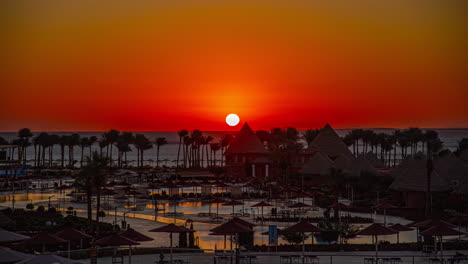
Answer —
168 152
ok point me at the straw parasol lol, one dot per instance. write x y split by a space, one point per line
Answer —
261 205
440 230
385 205
459 220
400 228
116 240
430 223
171 228
299 205
338 207
303 227
7 236
44 238
134 235
12 256
54 259
233 203
230 228
69 234
217 201
376 230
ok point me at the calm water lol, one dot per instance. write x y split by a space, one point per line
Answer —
144 220
168 152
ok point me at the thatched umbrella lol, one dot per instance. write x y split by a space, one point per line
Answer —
217 201
440 230
12 256
459 220
230 228
261 205
69 234
7 236
385 205
54 259
44 238
232 203
299 205
116 240
134 235
337 207
303 227
400 228
376 230
171 228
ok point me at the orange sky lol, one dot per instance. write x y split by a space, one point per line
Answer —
168 65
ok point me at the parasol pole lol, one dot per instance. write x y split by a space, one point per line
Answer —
69 249
129 254
376 248
170 252
441 250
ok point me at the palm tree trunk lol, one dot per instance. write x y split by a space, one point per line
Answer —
89 204
178 152
157 156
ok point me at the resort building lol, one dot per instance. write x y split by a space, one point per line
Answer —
247 156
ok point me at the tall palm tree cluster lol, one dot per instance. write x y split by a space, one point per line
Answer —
408 141
195 150
199 151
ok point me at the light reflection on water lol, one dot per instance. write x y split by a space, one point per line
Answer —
190 210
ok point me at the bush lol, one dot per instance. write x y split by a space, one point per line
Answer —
294 238
40 209
52 210
30 206
102 214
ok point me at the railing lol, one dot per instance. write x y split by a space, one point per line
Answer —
184 256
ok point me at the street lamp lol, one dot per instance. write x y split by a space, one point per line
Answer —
49 200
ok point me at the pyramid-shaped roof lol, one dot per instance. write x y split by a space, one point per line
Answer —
413 178
328 142
246 141
319 164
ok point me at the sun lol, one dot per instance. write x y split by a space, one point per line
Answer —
232 119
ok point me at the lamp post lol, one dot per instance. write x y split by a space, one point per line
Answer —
49 200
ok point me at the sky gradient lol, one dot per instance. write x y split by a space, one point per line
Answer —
169 65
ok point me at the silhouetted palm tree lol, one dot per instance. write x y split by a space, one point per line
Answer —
182 133
92 178
207 142
214 148
160 141
24 134
187 142
62 143
309 135
84 142
142 143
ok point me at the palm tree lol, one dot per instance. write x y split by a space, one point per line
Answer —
214 148
92 141
462 145
128 138
84 142
207 142
182 133
434 145
112 136
24 134
53 140
73 140
103 143
309 135
225 141
62 143
92 177
263 135
187 143
142 143
160 141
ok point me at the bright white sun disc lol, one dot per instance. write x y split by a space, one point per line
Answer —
232 119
